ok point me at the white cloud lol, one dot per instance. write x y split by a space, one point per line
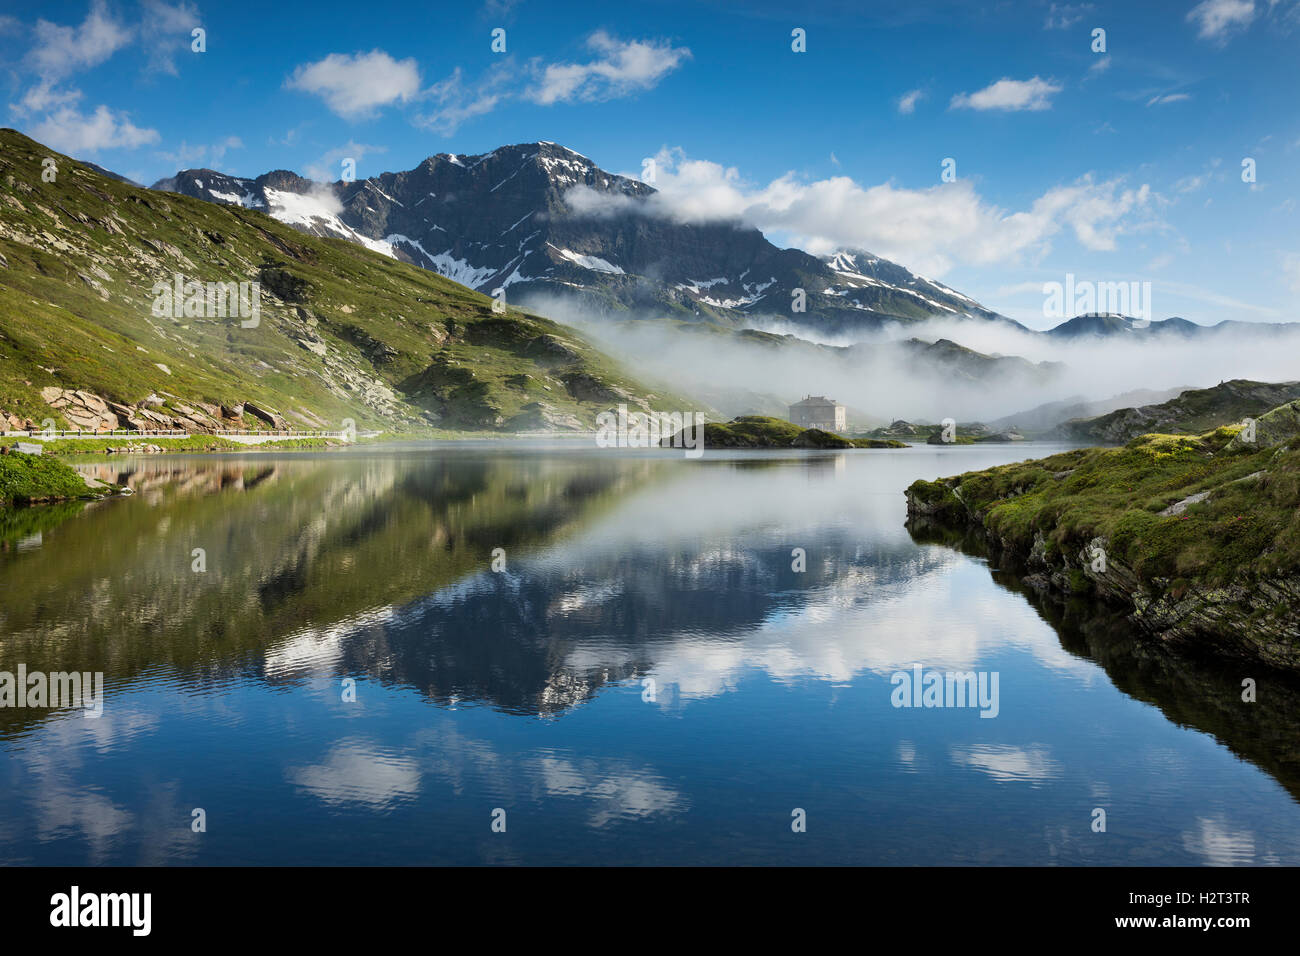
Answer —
499 8
1217 19
328 168
1062 16
1291 272
165 31
622 67
1168 98
1008 94
456 101
929 230
45 96
73 132
211 155
354 86
61 50
907 102
1101 66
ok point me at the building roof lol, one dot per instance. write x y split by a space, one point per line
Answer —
820 400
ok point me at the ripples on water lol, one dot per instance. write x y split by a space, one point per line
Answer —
647 681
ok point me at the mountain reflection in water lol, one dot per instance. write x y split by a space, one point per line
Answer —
647 680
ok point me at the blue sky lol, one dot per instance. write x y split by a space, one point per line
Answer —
1117 166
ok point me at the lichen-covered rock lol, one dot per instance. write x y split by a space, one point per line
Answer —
1271 429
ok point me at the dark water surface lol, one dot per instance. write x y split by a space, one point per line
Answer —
647 681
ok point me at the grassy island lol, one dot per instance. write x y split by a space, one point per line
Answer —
762 431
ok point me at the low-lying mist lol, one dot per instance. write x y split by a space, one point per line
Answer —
881 377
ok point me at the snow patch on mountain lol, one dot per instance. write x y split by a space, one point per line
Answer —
594 263
460 270
317 213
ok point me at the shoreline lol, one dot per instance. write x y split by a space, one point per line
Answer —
1163 528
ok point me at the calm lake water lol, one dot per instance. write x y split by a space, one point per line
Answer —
648 681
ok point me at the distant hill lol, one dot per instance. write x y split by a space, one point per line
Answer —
1193 412
1109 326
110 174
1046 417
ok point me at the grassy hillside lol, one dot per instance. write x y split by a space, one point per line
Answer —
344 332
1193 412
1200 534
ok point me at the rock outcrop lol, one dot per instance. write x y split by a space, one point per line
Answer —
1191 535
82 409
266 415
86 411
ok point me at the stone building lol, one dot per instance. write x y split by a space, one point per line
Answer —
818 411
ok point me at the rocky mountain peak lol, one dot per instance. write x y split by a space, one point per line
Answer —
508 220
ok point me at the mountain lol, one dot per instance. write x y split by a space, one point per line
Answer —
540 220
961 363
1047 416
1192 412
331 330
1108 325
110 174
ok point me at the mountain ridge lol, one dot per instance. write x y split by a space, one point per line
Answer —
507 220
1191 412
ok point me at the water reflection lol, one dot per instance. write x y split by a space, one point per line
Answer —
683 648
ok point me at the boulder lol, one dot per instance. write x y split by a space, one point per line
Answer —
538 416
266 415
1277 427
13 423
585 387
549 350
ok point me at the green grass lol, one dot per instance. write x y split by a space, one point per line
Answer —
764 431
932 434
751 431
28 478
1245 530
405 349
